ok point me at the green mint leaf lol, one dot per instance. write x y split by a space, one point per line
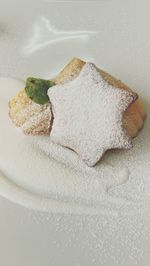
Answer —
37 88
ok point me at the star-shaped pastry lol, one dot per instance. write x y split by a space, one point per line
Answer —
88 114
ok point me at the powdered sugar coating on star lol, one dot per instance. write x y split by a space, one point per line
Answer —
88 115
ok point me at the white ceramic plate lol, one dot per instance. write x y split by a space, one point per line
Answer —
39 42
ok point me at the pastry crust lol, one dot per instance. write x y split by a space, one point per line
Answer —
32 118
35 119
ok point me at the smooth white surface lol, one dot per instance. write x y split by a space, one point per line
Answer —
27 36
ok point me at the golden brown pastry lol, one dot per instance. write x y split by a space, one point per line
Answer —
36 119
32 118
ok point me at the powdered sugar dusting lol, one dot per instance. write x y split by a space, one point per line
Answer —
69 186
88 115
38 118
